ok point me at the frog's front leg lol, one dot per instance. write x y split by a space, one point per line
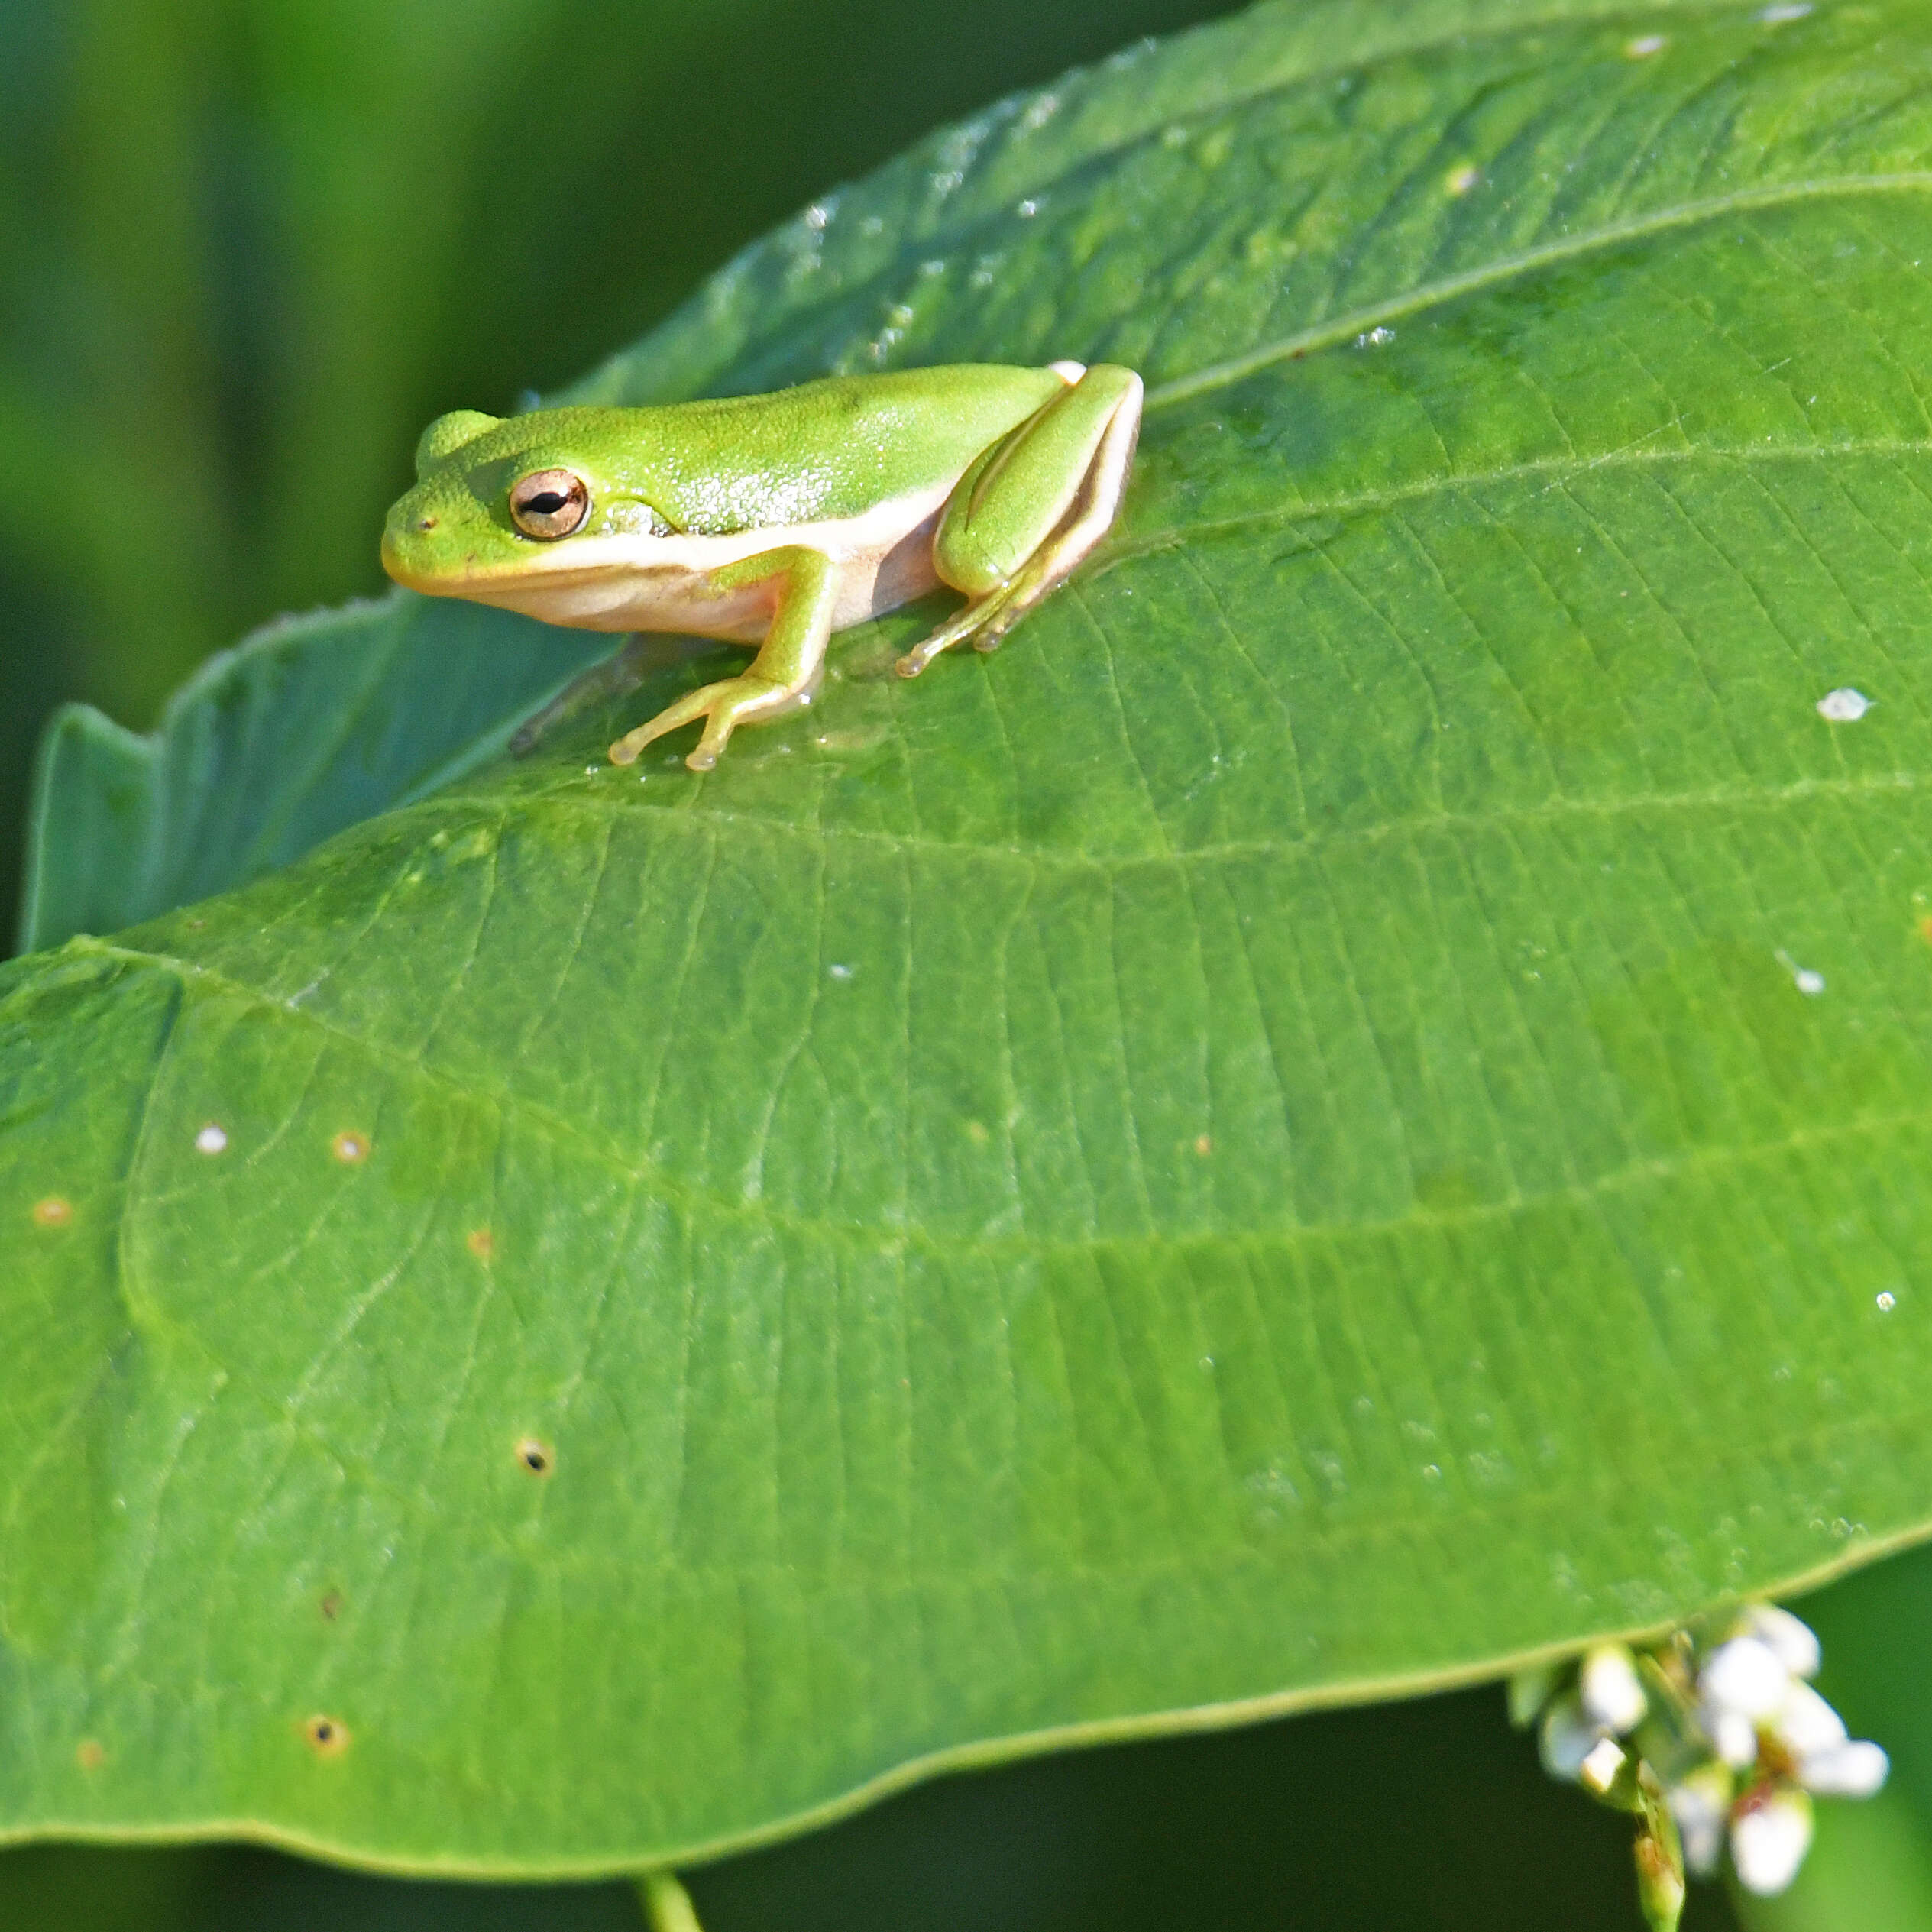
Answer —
1033 506
787 664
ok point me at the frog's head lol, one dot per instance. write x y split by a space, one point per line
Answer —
504 506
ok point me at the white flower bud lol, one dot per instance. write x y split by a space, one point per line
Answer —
1790 1640
1601 1763
1700 1805
1744 1676
1855 1768
1611 1691
1732 1736
1805 1722
1565 1739
1769 1840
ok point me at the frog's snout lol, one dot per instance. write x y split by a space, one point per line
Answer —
396 536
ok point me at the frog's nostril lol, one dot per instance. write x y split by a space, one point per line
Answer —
425 523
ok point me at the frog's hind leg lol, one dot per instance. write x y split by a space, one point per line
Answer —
1101 410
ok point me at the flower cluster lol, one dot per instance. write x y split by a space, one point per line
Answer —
1713 1733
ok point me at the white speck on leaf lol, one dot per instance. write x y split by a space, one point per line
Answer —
1809 982
212 1139
1459 181
1645 45
1887 1301
1781 11
840 971
1042 110
1843 706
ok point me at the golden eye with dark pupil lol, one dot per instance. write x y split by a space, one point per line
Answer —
549 503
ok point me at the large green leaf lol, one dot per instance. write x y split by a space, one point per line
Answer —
1349 1109
310 725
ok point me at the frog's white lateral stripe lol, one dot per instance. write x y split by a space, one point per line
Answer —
628 580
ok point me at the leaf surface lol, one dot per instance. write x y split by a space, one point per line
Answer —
1349 1109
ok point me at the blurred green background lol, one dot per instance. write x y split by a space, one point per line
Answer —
249 248
1432 1816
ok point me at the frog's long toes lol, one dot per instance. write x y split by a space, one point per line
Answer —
921 655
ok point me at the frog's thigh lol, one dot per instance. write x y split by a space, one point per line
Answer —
1020 492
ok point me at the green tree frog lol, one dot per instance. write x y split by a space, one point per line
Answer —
775 520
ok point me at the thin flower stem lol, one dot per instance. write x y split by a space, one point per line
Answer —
667 1904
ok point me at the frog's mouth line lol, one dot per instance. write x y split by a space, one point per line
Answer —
574 562
510 581
612 583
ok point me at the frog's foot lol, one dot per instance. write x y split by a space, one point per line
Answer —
985 621
956 630
747 699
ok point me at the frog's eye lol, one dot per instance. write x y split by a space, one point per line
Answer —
549 503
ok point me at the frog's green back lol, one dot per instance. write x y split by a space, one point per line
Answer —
825 449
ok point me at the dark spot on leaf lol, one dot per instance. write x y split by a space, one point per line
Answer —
89 1755
53 1212
332 1604
481 1243
538 1457
328 1737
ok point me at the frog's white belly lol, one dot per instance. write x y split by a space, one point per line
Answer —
620 582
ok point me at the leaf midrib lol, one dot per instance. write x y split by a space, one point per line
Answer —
1312 844
697 1199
